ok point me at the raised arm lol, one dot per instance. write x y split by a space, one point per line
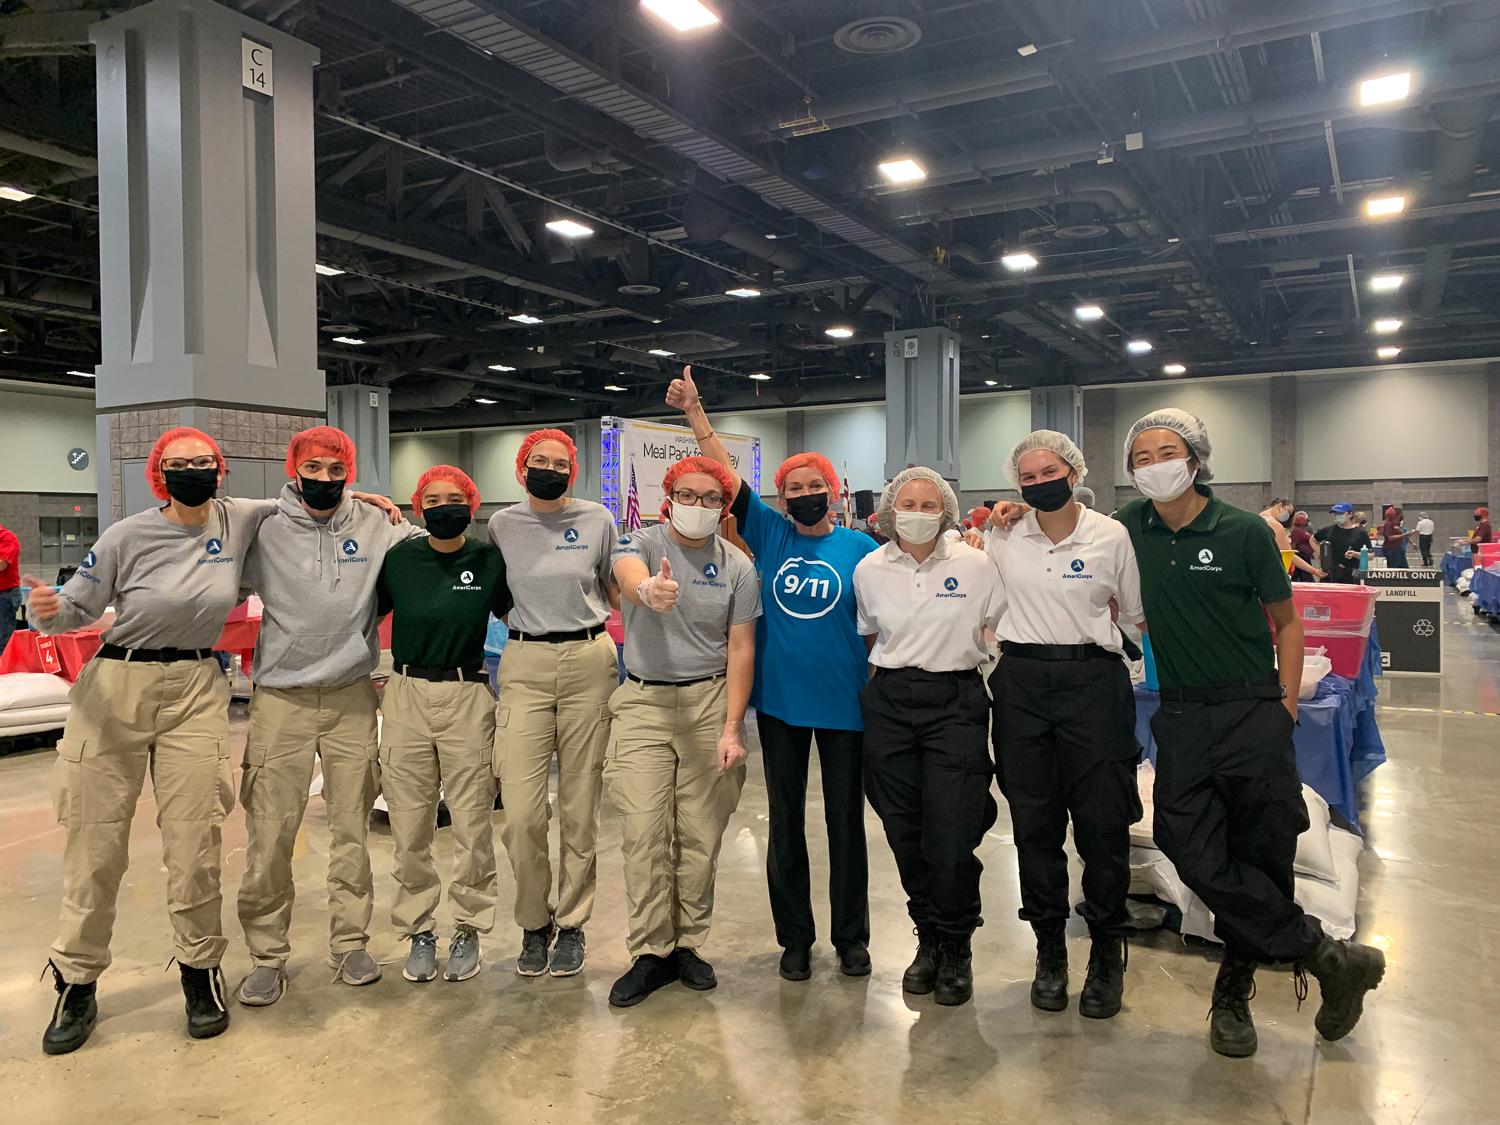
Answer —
683 395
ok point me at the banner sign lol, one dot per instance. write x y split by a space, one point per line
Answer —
648 450
1409 616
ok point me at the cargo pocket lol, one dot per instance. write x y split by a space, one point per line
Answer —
224 801
497 749
66 777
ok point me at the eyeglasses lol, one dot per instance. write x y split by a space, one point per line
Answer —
693 500
178 464
555 466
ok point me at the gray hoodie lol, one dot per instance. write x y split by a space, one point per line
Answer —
317 581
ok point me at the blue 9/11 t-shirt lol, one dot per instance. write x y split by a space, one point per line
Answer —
810 660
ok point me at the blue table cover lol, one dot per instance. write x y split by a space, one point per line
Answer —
1454 564
1484 587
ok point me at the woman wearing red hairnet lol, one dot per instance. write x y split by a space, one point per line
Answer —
676 759
439 721
153 700
810 666
556 677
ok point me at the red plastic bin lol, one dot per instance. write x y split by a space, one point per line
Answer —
1337 618
1489 554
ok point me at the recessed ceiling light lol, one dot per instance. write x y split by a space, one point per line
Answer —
1019 262
1387 324
760 376
773 237
1384 206
1088 312
991 383
82 374
526 318
612 387
355 341
682 15
500 367
661 352
569 228
839 332
1388 352
742 291
1173 369
327 271
1386 282
902 170
1174 239
14 194
485 401
1027 50
1138 347
1385 89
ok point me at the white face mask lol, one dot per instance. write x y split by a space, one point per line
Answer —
1164 481
694 523
917 527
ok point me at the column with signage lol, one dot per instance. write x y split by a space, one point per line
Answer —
921 401
1409 619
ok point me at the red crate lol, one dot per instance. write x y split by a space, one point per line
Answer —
1337 618
1489 554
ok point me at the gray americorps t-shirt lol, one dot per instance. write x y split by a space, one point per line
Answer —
556 564
717 589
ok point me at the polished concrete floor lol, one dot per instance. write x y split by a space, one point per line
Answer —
760 1049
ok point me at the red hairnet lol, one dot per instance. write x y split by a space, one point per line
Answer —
547 435
320 441
810 461
153 462
979 516
1390 513
696 465
1300 519
1481 513
445 472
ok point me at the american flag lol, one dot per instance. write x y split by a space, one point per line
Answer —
632 504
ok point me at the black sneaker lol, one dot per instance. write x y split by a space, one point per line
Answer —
796 964
695 972
648 974
955 972
568 954
73 1016
1049 990
1231 1031
532 960
1105 984
854 961
1345 972
207 1014
920 977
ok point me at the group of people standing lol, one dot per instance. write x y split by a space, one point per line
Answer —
872 653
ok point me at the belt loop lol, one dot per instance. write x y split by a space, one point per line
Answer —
129 652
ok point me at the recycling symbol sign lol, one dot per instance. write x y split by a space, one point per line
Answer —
1423 628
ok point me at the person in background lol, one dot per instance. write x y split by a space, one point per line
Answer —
152 700
676 760
1345 540
1393 539
1425 529
1277 517
1228 800
556 677
925 604
1483 532
10 583
1307 548
314 563
1085 496
437 734
809 668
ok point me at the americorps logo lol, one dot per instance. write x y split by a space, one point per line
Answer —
570 541
951 584
90 561
1206 559
571 535
1205 556
214 546
1078 570
710 570
466 577
214 549
1077 566
350 546
806 588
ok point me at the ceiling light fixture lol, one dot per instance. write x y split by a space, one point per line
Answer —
742 291
1384 206
1138 347
500 367
661 352
1088 312
526 318
1174 369
1385 89
14 194
613 387
82 374
991 383
1387 324
839 332
760 376
484 402
902 170
353 341
1019 262
327 271
569 228
1027 50
1386 282
1390 351
681 15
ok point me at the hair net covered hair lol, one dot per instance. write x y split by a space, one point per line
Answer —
537 436
320 441
1481 513
810 461
1300 519
1052 441
445 472
885 511
153 461
979 516
696 465
1187 426
1085 496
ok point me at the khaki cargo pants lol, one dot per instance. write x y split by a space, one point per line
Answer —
663 778
289 729
128 717
554 699
438 738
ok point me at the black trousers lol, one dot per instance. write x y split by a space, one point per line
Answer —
1424 544
785 751
928 774
1065 746
1229 810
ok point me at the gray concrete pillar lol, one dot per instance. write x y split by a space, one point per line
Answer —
1100 453
588 436
206 248
1283 437
796 432
1493 489
1058 408
364 413
921 401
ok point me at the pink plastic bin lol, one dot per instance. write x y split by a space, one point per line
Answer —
1337 618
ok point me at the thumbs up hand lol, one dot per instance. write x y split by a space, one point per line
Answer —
683 393
42 603
659 592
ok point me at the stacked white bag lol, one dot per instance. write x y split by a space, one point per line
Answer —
31 702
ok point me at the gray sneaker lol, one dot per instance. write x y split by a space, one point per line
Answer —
533 959
263 987
356 967
567 954
421 962
464 960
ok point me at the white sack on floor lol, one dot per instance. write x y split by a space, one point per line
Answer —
32 720
32 689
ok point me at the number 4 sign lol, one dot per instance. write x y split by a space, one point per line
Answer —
256 71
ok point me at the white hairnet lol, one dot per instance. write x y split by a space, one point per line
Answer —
1085 496
1189 426
1053 442
885 512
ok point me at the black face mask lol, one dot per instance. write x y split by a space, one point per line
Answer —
191 487
447 521
546 484
321 495
809 509
1049 496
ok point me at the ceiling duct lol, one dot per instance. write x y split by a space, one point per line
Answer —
1078 222
877 35
433 394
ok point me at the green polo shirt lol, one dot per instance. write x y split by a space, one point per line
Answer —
441 603
1203 588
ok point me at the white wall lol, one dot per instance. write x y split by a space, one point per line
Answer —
853 434
495 464
39 430
413 454
988 429
1237 414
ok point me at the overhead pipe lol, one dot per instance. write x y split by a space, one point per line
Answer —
436 394
600 161
1109 189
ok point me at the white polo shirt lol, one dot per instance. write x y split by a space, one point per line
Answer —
1426 527
1059 593
931 616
